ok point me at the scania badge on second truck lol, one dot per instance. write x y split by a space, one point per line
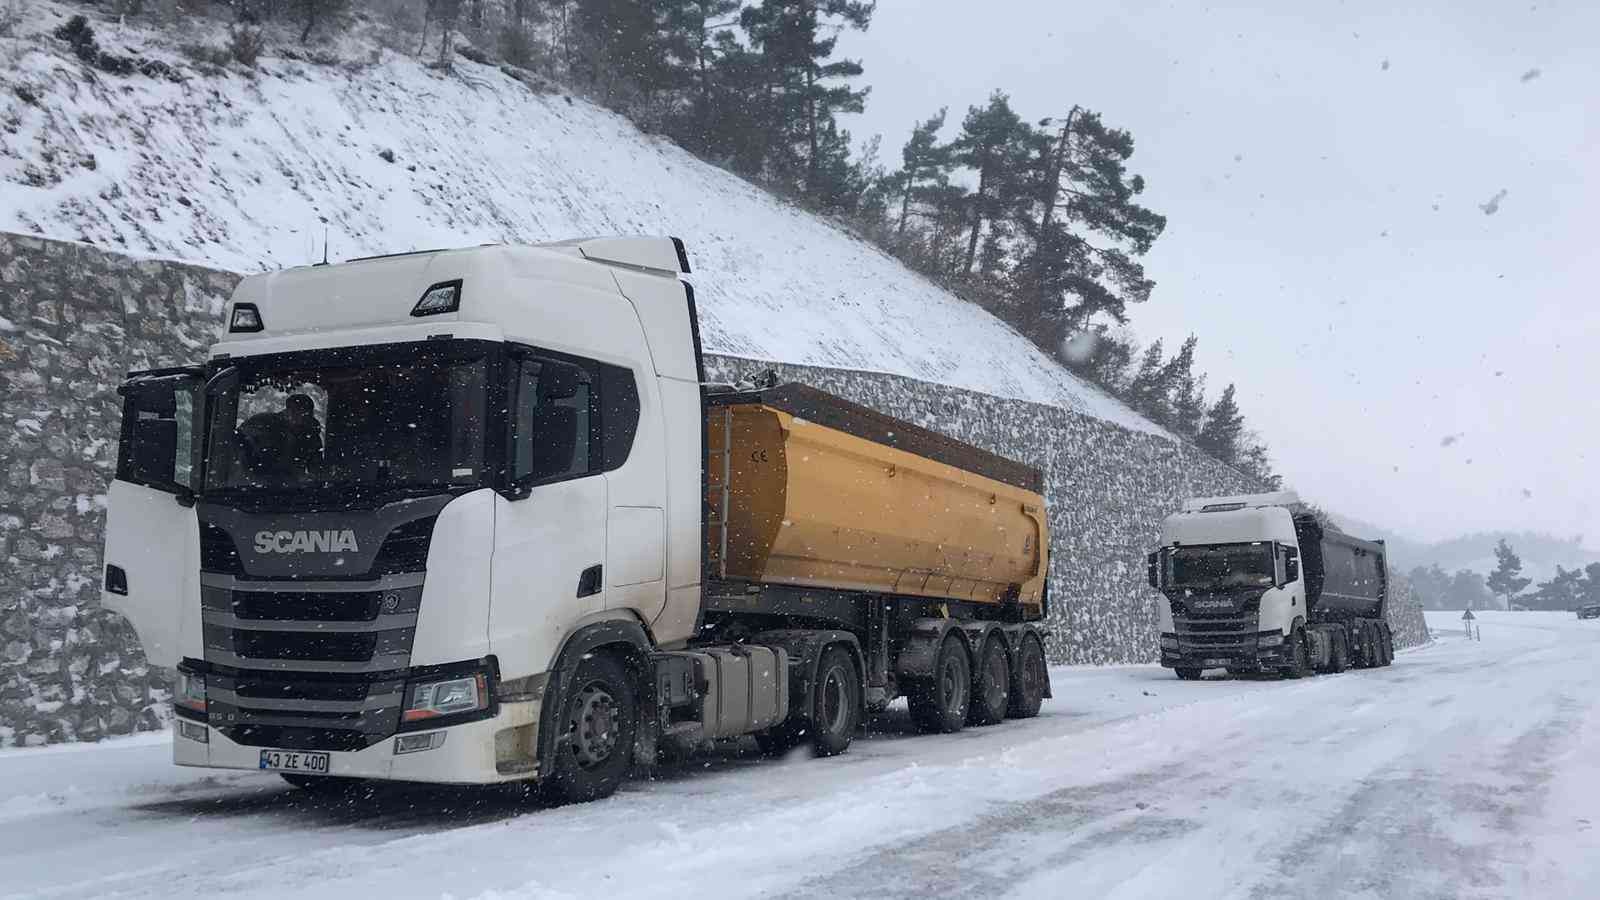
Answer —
474 516
1254 583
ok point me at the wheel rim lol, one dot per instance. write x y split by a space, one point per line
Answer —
952 679
994 688
593 726
835 701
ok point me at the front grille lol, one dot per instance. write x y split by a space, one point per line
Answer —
257 686
307 606
289 737
293 645
310 662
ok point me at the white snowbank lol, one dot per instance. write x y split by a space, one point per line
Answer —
247 172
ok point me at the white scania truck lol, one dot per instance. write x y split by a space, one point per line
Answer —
1254 583
474 516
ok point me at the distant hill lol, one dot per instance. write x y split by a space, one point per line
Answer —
1540 552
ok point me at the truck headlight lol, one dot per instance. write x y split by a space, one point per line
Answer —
189 695
1273 639
446 697
1169 642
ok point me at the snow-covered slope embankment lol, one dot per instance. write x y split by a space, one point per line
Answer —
247 170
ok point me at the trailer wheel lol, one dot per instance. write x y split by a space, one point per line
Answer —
597 722
1186 674
836 706
939 704
1298 666
1028 679
991 686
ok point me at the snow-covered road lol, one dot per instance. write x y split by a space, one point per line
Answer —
1468 769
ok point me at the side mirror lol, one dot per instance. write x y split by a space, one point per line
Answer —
1291 565
1153 569
560 381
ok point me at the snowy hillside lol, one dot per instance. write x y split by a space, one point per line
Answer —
245 169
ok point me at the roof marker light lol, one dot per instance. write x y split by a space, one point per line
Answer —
444 297
245 318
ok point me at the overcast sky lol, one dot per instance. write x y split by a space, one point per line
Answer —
1411 359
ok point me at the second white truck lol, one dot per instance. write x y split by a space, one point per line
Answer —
1254 583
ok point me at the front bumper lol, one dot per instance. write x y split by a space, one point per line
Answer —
467 756
1214 658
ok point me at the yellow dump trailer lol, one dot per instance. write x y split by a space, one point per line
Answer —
806 489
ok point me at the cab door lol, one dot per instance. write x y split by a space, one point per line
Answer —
152 534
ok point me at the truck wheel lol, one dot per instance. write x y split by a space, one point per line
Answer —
939 704
1385 645
1028 680
1298 666
1188 674
1340 653
1369 647
836 705
597 722
991 686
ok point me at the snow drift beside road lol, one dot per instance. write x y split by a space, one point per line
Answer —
245 170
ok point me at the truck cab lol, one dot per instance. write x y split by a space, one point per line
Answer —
363 530
1229 571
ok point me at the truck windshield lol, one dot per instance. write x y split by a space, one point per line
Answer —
351 422
1221 566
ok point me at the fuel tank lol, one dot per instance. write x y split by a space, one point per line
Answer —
804 488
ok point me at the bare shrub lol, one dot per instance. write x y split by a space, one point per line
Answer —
245 45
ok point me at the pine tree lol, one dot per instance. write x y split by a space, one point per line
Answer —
994 144
1084 191
1147 392
694 30
1504 581
1561 592
805 86
1188 402
923 159
1224 427
1589 589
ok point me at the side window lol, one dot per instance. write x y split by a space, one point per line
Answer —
619 414
552 429
157 446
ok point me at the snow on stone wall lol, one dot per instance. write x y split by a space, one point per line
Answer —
74 319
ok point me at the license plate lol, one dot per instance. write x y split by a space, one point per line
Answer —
1216 662
294 761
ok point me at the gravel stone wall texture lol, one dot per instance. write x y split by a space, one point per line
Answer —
74 319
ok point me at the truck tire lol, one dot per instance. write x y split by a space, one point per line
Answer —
1340 653
1385 645
1298 666
1188 674
939 704
597 721
1028 680
991 685
835 703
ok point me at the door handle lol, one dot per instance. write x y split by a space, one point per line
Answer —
589 582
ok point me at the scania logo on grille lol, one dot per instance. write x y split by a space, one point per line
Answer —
1212 604
330 541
